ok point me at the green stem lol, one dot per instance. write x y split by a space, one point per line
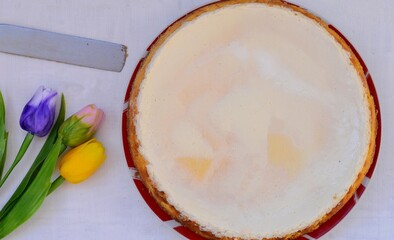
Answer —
25 145
55 184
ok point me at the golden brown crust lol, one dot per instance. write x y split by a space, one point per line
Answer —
142 163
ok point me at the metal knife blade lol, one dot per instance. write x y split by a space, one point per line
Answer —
62 48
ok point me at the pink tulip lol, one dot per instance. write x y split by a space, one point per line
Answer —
81 126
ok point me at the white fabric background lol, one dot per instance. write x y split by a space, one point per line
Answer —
108 206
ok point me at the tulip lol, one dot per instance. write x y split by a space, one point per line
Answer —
81 126
39 113
37 119
81 162
41 157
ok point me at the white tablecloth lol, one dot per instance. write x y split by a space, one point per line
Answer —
108 206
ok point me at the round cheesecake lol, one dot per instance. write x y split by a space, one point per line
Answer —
251 120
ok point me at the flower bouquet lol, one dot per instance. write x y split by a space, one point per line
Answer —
85 156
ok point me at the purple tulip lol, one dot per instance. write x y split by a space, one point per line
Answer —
39 113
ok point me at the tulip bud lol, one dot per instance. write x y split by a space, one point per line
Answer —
81 162
39 113
81 126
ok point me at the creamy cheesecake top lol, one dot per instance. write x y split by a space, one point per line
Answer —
253 121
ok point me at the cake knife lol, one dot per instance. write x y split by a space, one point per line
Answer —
62 48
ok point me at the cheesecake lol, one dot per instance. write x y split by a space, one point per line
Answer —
251 120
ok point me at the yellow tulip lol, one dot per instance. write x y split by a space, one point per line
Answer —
81 162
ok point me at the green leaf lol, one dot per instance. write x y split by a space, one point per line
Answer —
3 135
36 166
33 197
2 113
3 152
